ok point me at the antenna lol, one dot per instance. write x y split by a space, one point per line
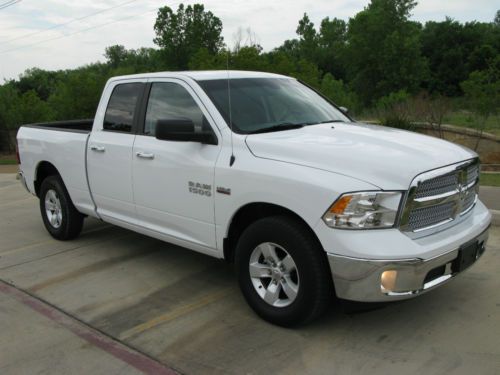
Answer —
232 159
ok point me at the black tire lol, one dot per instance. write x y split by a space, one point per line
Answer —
71 221
315 290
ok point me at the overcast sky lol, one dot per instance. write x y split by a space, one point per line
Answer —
24 35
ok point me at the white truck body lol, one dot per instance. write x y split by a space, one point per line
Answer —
188 193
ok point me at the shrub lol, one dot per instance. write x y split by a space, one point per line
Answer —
395 110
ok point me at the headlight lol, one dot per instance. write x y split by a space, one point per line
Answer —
364 210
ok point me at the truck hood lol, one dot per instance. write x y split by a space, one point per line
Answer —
385 157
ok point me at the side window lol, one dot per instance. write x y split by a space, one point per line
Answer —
121 107
168 101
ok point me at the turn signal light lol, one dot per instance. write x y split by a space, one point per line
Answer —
341 204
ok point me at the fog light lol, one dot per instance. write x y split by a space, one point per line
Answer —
388 281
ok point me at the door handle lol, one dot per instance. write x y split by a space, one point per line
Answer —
145 155
97 148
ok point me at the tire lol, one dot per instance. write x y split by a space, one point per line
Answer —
59 215
298 292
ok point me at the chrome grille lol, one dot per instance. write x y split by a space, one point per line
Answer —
472 174
437 185
441 196
430 216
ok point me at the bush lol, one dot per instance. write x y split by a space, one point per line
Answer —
395 110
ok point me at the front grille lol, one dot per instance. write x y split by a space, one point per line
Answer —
440 196
468 201
437 185
429 216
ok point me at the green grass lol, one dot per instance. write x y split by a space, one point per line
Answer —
8 162
468 120
490 179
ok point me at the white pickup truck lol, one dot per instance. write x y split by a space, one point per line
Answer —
262 171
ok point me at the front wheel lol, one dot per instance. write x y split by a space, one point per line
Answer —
283 272
60 217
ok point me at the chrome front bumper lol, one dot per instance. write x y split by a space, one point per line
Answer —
361 279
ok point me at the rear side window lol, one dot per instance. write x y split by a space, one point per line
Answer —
121 107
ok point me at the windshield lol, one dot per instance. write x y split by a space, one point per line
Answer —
269 104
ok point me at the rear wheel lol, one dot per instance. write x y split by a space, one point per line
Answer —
60 217
282 271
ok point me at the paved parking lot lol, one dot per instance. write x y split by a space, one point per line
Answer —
113 301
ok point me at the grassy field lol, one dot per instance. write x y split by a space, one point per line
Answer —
490 179
468 120
7 162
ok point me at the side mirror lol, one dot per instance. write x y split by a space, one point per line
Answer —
182 130
344 110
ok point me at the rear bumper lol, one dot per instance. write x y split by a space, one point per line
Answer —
20 177
360 279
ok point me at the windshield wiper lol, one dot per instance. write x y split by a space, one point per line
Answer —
279 127
327 121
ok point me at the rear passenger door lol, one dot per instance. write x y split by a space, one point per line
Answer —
109 154
174 180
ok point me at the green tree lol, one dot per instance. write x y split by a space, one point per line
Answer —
339 93
42 81
78 94
204 60
33 109
453 50
116 55
383 50
482 92
10 111
308 39
332 44
180 35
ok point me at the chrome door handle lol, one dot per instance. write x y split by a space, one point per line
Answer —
145 155
97 148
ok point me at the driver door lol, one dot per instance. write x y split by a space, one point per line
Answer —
173 181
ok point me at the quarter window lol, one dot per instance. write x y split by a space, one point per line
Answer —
121 107
171 101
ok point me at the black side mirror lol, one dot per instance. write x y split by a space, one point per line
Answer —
183 130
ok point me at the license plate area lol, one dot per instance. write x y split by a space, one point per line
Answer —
467 255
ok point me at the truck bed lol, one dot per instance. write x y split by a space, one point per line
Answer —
76 126
63 145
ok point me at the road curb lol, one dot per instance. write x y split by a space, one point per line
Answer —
495 220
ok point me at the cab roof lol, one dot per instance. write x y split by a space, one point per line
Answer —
202 75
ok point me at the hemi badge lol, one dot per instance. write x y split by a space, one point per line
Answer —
223 190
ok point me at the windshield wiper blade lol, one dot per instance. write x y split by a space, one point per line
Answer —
327 121
278 127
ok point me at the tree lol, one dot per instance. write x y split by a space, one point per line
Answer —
454 50
383 50
115 55
41 81
332 44
339 93
482 91
78 94
308 39
180 35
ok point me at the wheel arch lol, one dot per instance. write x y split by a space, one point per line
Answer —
248 214
43 170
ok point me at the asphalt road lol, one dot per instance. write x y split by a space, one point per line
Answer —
114 301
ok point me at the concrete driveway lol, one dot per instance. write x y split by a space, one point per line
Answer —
113 301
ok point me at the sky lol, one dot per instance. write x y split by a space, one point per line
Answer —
62 34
